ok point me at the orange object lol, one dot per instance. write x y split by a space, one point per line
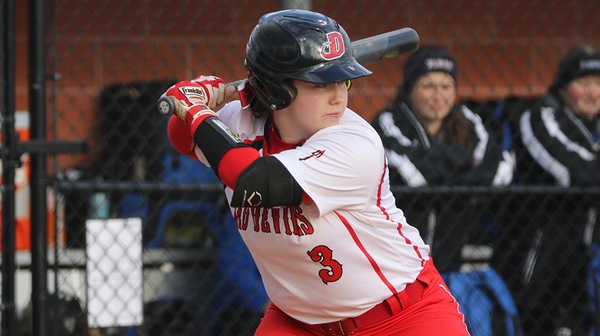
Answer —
22 203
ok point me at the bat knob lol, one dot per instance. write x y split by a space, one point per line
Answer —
166 107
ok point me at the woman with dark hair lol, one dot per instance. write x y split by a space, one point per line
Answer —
560 145
432 139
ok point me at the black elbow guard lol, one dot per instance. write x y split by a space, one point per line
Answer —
266 183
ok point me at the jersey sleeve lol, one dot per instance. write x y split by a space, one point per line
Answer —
339 167
241 121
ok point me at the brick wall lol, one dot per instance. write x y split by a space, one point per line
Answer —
506 47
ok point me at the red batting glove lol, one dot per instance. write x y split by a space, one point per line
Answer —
194 99
215 88
203 90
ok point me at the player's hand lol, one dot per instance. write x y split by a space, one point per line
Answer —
215 88
201 93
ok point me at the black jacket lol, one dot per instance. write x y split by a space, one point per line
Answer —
416 159
560 148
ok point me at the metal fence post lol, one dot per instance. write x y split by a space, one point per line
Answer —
9 160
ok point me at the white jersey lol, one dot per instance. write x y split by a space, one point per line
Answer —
350 248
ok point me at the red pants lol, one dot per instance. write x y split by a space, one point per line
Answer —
436 313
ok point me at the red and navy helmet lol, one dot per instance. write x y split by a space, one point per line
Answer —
301 45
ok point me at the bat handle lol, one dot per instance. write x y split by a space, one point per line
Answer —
166 105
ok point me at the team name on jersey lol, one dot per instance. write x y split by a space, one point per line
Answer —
286 220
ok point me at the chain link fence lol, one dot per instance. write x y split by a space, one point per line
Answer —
111 60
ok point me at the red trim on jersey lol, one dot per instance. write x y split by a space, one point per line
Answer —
364 251
196 115
251 142
275 143
387 215
234 162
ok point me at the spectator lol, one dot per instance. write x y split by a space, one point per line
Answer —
432 139
560 146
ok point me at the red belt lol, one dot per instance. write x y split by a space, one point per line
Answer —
388 308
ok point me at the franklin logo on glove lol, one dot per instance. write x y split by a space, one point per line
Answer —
190 91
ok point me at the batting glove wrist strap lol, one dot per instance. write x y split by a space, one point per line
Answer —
196 114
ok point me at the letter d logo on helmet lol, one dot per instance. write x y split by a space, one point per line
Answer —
334 47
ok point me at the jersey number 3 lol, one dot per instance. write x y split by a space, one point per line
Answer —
324 256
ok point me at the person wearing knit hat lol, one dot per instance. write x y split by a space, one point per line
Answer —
578 62
425 60
560 145
432 139
561 133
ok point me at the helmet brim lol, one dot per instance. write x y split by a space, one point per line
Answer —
332 72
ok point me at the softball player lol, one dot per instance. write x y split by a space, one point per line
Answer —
307 182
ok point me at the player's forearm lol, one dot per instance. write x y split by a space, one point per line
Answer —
216 148
224 151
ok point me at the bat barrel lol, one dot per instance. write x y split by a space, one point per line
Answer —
387 45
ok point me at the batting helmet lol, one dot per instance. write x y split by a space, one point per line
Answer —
297 44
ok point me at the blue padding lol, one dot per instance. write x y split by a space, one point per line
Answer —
477 293
182 169
169 208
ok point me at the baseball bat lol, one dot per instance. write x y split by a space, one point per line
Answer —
367 50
